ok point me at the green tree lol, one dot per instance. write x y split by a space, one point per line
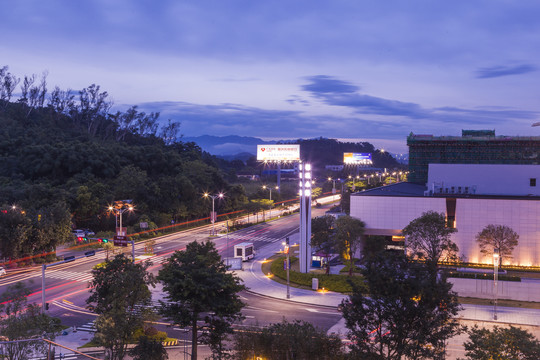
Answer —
149 349
428 238
115 291
348 238
288 340
15 230
500 343
199 288
404 316
21 321
322 232
499 237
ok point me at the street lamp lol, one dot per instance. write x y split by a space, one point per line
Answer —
334 185
213 217
495 279
270 188
119 208
286 247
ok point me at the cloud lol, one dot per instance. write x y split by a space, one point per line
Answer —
498 71
335 92
324 85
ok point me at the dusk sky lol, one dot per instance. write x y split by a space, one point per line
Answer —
358 70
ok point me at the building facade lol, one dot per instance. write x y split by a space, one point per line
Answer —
497 194
473 147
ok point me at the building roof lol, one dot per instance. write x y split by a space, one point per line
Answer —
407 189
398 189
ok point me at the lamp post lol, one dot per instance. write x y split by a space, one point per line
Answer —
120 207
270 188
305 216
213 217
288 264
333 185
495 280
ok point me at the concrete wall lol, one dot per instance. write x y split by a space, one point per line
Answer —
509 290
486 179
386 215
387 212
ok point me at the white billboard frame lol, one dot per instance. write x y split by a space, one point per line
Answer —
357 158
278 152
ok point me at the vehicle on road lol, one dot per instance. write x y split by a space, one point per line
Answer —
3 271
244 250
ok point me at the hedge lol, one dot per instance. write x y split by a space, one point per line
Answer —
337 283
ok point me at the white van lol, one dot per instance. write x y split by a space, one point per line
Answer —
245 251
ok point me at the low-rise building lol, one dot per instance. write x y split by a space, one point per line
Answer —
471 196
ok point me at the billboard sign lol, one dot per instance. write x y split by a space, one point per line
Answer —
120 240
283 152
357 158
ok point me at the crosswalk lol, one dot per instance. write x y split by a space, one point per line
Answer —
89 327
69 275
59 356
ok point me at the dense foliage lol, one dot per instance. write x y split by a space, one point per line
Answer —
405 316
201 292
118 289
288 340
65 152
510 343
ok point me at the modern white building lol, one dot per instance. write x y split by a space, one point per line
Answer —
472 196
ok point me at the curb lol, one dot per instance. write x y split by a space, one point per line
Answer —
290 300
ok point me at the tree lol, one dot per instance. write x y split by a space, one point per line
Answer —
322 233
149 349
428 238
348 238
116 290
22 322
404 316
501 343
199 288
497 237
288 340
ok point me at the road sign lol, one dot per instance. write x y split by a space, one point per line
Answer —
120 240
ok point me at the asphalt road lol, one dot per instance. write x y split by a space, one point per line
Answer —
67 284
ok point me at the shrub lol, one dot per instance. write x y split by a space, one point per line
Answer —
337 283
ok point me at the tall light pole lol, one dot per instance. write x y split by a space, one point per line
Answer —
270 188
305 216
213 217
288 264
119 208
333 185
495 280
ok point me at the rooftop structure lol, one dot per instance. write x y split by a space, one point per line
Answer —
472 147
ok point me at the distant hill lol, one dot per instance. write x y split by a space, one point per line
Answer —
224 146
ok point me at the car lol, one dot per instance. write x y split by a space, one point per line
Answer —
3 271
89 232
78 233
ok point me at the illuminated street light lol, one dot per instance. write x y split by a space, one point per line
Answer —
305 216
270 188
495 280
334 185
213 217
120 207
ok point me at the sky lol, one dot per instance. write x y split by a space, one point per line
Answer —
279 69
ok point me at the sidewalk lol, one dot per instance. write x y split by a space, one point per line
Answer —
259 283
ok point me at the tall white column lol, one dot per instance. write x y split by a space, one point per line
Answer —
305 217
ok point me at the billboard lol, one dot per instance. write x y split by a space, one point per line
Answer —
357 158
283 152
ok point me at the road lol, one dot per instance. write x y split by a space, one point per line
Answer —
67 284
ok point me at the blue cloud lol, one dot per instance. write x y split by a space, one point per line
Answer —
498 71
366 104
323 85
